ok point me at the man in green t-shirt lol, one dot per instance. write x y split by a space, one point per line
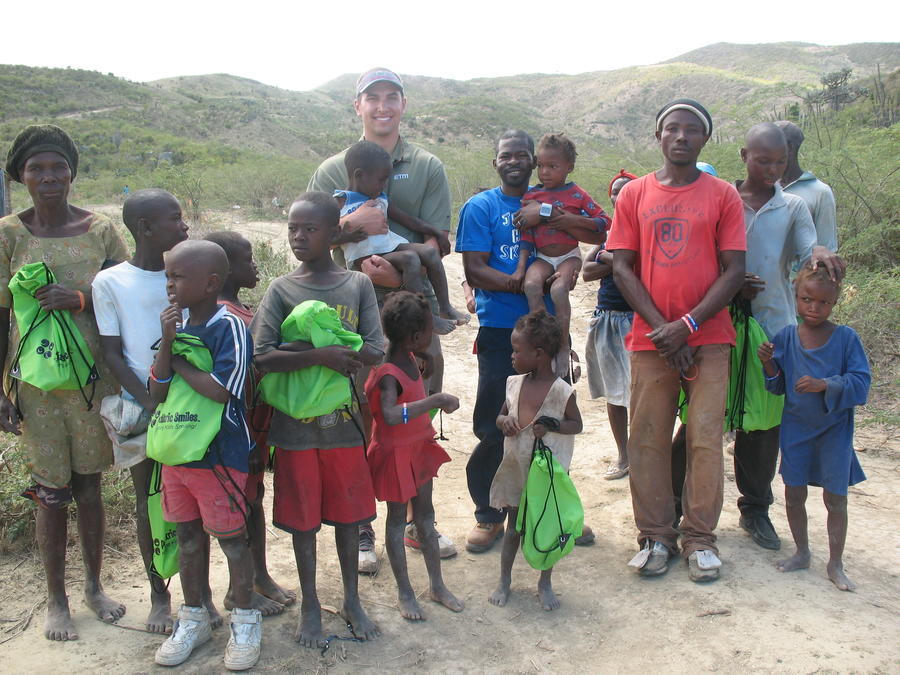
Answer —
417 186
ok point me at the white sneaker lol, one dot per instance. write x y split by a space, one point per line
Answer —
191 630
242 651
445 545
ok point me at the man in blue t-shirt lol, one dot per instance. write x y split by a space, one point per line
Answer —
489 242
488 238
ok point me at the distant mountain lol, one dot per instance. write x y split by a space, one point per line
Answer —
213 120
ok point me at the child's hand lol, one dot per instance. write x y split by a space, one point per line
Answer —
447 402
168 321
765 352
808 385
508 425
340 359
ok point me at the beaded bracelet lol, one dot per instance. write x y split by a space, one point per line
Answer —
405 414
687 323
695 325
157 380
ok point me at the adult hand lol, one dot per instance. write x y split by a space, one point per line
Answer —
831 261
514 284
447 402
573 281
381 272
668 338
808 385
508 425
54 296
528 216
340 359
9 418
682 359
752 287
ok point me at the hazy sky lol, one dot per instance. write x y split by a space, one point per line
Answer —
301 45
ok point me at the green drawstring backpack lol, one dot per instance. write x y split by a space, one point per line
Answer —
316 390
550 512
749 407
183 426
165 541
52 353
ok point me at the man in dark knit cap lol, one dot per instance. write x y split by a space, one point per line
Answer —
678 246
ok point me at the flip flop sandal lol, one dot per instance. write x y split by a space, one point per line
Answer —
615 473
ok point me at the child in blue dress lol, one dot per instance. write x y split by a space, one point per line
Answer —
823 372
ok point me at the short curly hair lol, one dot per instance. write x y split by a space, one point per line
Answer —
404 313
819 275
541 329
560 142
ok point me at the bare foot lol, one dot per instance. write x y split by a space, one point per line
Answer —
443 326
457 317
215 619
443 596
160 618
309 628
266 586
549 601
798 561
838 578
500 594
409 607
265 605
360 624
104 607
58 625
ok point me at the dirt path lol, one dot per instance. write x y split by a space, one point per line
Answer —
753 618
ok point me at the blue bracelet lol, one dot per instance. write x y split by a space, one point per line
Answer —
157 380
695 325
405 414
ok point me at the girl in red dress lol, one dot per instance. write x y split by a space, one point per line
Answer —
403 455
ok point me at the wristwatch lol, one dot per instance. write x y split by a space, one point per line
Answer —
545 212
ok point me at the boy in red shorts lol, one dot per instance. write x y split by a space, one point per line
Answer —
322 475
268 596
207 496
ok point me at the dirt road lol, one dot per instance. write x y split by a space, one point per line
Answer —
753 619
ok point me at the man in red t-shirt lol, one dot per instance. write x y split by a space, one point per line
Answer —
678 243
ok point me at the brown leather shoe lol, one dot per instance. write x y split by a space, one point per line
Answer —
483 536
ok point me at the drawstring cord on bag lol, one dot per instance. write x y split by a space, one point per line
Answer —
563 538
